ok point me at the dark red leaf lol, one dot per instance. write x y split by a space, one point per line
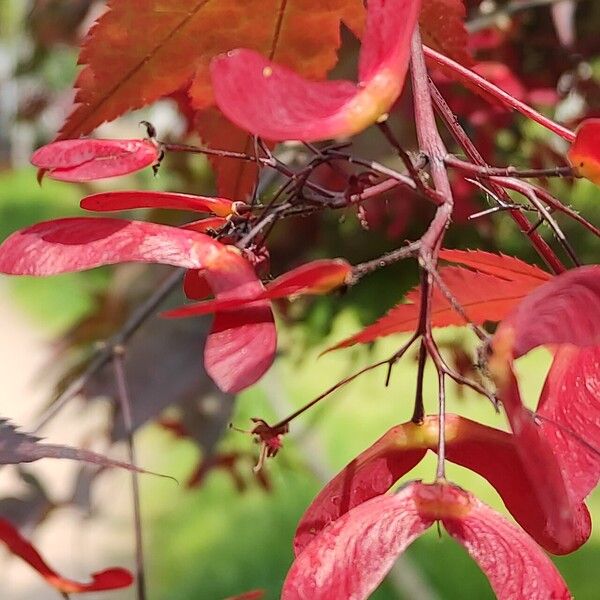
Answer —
112 201
443 28
89 159
272 101
317 277
110 579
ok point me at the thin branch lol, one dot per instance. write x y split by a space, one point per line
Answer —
362 269
485 171
479 84
524 189
125 405
431 143
441 451
556 204
433 195
463 140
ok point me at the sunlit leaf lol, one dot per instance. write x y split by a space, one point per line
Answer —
112 201
90 159
275 102
352 556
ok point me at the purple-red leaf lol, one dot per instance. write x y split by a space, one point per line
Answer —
90 159
110 579
17 447
274 102
351 557
126 200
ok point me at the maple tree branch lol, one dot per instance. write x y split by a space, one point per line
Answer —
125 405
463 140
486 171
433 195
440 472
377 167
269 161
287 420
529 193
393 359
481 84
556 204
362 269
432 145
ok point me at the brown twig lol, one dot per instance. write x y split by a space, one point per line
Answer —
125 405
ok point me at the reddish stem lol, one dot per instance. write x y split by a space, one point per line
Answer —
431 143
463 140
479 83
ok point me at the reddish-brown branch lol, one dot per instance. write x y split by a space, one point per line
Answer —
432 145
463 140
485 171
125 406
477 83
